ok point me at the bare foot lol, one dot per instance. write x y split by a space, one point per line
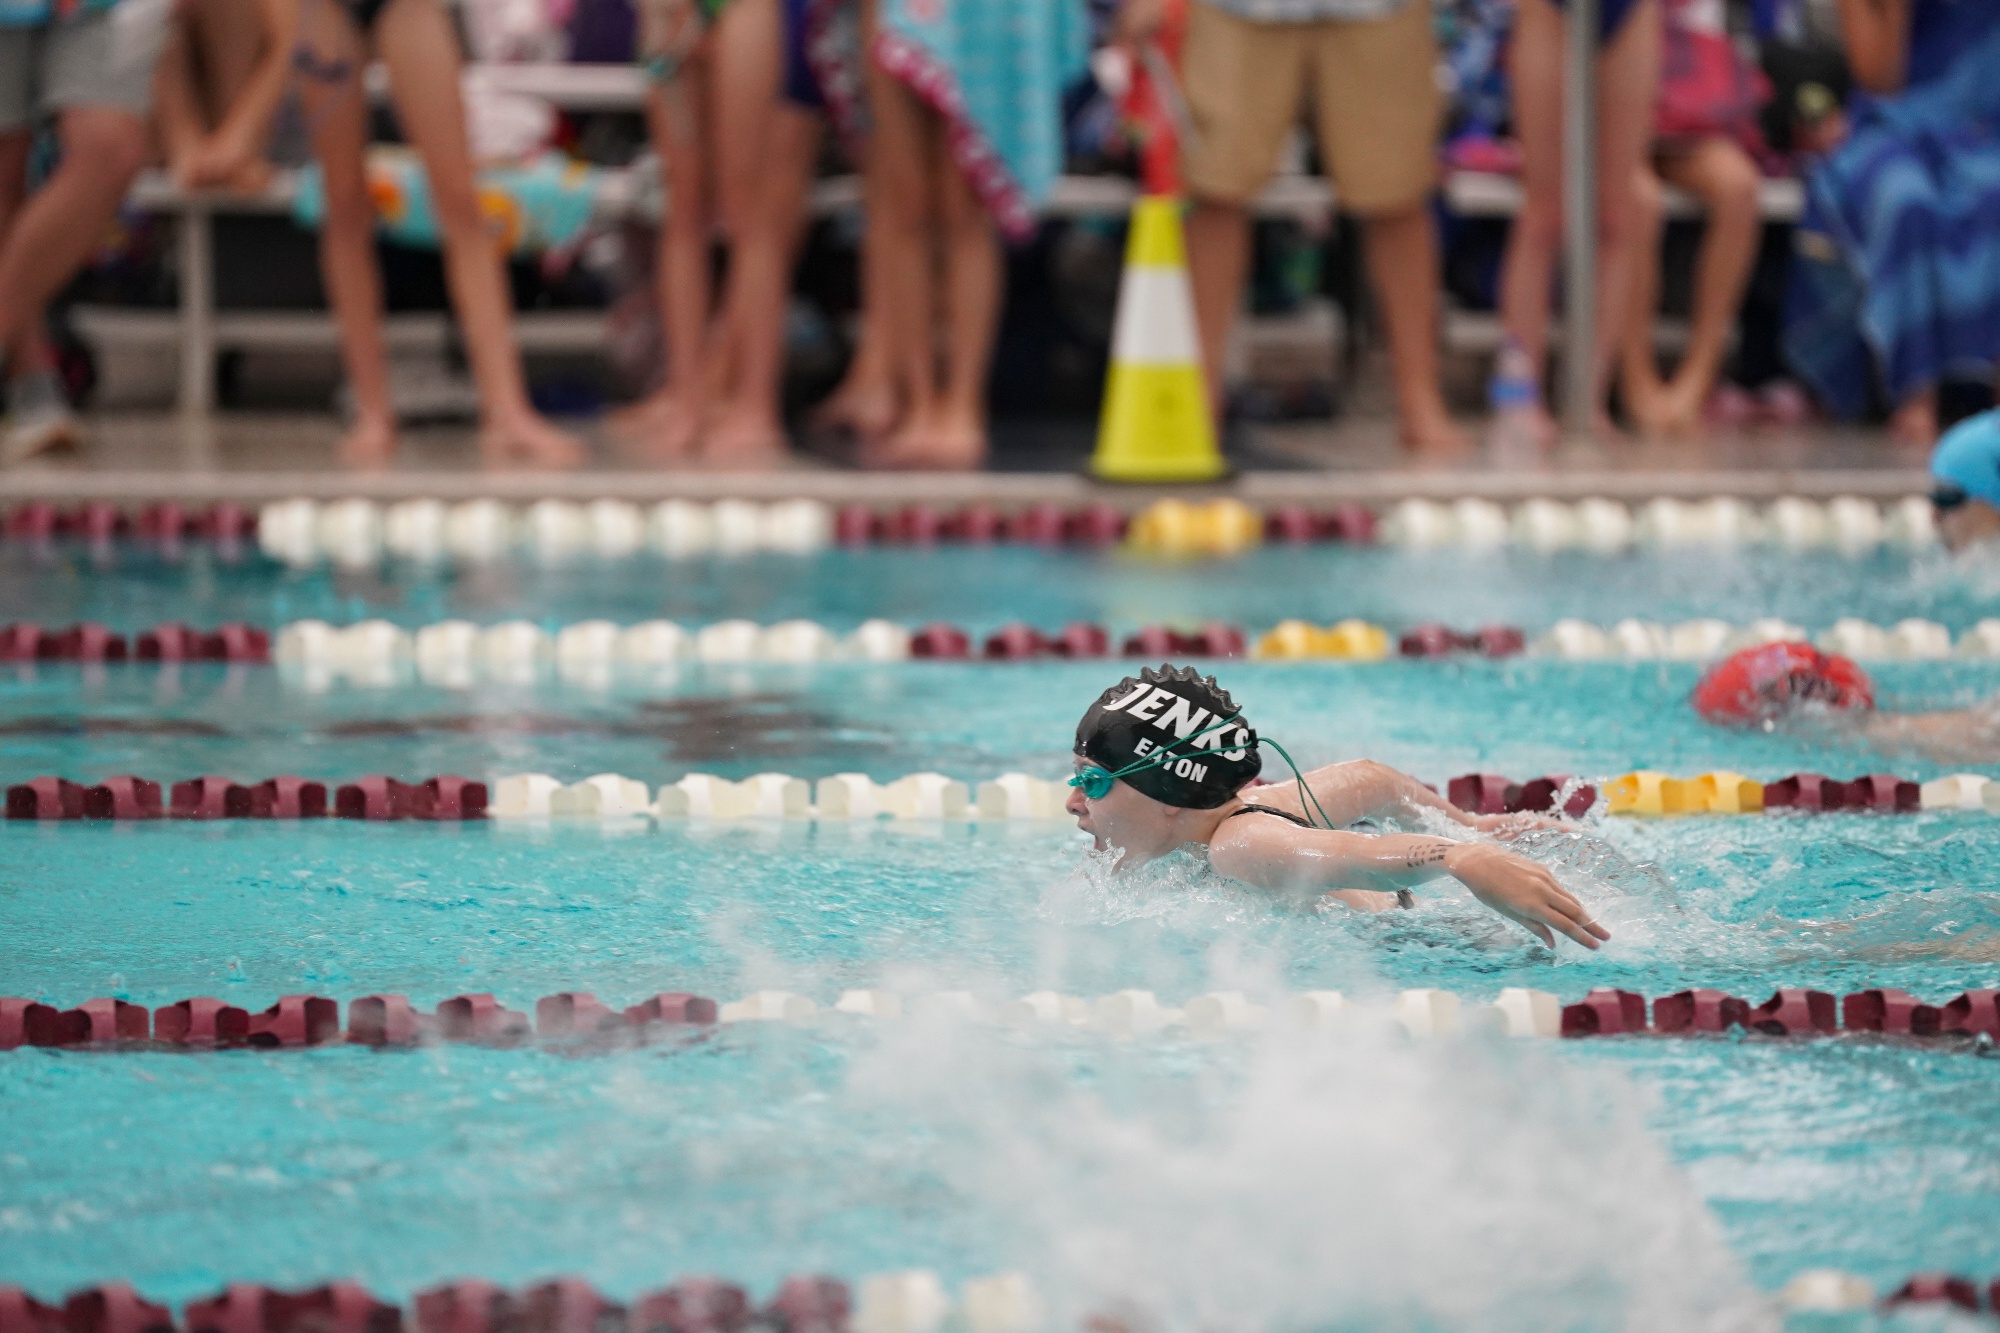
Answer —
744 440
1915 422
938 447
527 440
868 410
1653 411
1681 405
665 424
1515 428
1429 429
369 445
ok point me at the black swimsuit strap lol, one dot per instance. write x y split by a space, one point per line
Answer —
1285 815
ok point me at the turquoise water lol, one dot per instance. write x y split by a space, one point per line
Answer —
983 587
1628 1183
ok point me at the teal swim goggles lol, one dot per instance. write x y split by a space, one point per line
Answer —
1096 781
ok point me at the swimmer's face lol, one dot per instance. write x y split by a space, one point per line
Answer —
1968 524
1127 820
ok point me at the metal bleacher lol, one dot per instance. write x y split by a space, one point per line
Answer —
199 333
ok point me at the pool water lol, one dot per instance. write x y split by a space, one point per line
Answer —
1279 1182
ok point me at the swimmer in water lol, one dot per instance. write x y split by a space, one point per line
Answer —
1965 480
1797 684
1164 761
1764 685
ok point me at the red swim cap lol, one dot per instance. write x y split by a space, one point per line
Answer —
1771 679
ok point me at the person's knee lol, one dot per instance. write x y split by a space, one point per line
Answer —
458 214
1619 216
1733 188
349 206
1648 200
104 140
1540 221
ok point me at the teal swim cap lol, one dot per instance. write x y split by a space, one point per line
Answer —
1966 465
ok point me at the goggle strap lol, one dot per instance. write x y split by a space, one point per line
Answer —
1306 797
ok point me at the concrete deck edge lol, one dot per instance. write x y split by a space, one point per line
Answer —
883 489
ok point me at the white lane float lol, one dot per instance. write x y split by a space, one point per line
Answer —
415 530
1223 1013
554 531
1427 1012
1021 796
1960 791
602 796
1545 525
870 1003
797 641
1044 1008
288 531
1520 1012
728 641
479 531
1127 1014
1479 523
349 533
1981 641
769 1006
513 652
913 1301
447 654
617 529
1854 524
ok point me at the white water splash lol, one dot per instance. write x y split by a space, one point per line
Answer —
1357 1181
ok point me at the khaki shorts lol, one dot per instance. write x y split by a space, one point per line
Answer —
1375 102
103 58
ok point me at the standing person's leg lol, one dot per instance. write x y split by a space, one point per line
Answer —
1639 369
226 40
95 72
1528 270
1915 420
1403 264
337 109
180 116
751 424
39 417
867 402
669 421
1724 178
763 156
1628 77
1378 114
25 351
1218 253
103 148
954 434
57 228
901 154
416 42
1243 81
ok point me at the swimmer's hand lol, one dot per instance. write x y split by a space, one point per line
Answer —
1522 891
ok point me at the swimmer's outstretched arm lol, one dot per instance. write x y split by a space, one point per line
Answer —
1270 854
1955 736
1363 789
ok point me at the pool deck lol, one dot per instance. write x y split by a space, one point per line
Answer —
252 457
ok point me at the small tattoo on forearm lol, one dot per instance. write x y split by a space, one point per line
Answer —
1418 860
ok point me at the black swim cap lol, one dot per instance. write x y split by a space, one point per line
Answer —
1142 714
